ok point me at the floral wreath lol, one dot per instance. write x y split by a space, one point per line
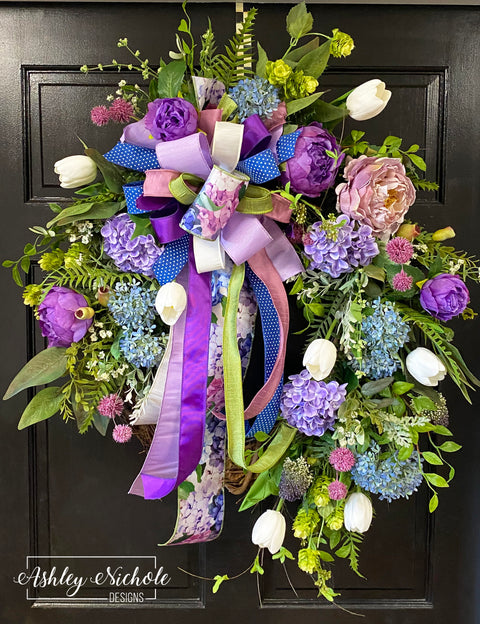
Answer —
227 188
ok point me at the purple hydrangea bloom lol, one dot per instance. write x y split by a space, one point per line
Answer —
131 255
56 316
444 296
337 248
171 118
312 170
311 406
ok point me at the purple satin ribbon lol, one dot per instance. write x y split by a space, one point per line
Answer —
188 155
256 137
177 445
165 221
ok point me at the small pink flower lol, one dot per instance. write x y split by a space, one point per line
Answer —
399 250
337 490
121 111
402 282
122 433
100 115
110 406
342 459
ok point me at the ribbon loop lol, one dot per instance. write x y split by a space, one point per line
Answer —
132 157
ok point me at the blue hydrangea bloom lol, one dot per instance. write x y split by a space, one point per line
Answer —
384 332
255 96
391 477
140 348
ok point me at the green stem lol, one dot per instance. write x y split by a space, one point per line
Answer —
331 328
279 504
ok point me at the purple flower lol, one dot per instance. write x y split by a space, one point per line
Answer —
335 247
444 296
132 255
171 118
56 315
311 406
312 170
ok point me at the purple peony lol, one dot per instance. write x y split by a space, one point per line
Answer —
312 170
56 315
444 296
171 118
132 255
311 406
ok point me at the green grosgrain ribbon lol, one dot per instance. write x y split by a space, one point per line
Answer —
232 372
257 200
181 189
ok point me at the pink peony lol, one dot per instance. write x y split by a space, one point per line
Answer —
377 193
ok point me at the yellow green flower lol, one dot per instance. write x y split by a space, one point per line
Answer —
75 255
32 295
335 519
305 523
52 260
341 44
308 560
278 72
319 492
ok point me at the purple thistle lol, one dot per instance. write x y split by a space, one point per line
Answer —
311 406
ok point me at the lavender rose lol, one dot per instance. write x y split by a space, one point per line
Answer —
377 193
312 170
59 313
171 118
444 296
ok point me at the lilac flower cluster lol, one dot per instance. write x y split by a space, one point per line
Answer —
255 96
391 477
131 255
295 479
311 406
336 247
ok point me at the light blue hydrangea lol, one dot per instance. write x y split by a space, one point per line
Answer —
389 477
384 332
142 349
255 96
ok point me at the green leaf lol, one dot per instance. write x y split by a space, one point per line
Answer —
170 79
43 368
343 552
401 387
256 567
8 263
25 264
16 276
374 387
299 21
218 581
450 447
405 452
88 191
418 162
143 226
263 486
103 210
101 423
185 489
441 430
422 403
296 105
325 556
44 404
432 458
325 112
55 208
111 173
261 436
70 211
260 68
183 26
315 62
435 479
297 53
433 504
334 539
375 272
298 286
317 309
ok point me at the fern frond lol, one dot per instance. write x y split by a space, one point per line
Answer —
236 63
332 301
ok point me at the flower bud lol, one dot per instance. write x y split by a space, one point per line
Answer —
103 295
75 171
443 234
368 100
84 313
425 366
320 358
269 531
358 513
170 302
408 231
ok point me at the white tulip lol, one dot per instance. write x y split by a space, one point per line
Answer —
358 513
269 531
75 171
170 302
320 358
368 100
425 366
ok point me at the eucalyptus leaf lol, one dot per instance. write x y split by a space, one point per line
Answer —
44 404
43 368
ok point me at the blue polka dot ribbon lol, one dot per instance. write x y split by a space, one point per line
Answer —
172 260
132 192
271 337
286 145
260 168
133 157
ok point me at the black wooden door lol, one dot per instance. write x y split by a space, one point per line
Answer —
66 495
